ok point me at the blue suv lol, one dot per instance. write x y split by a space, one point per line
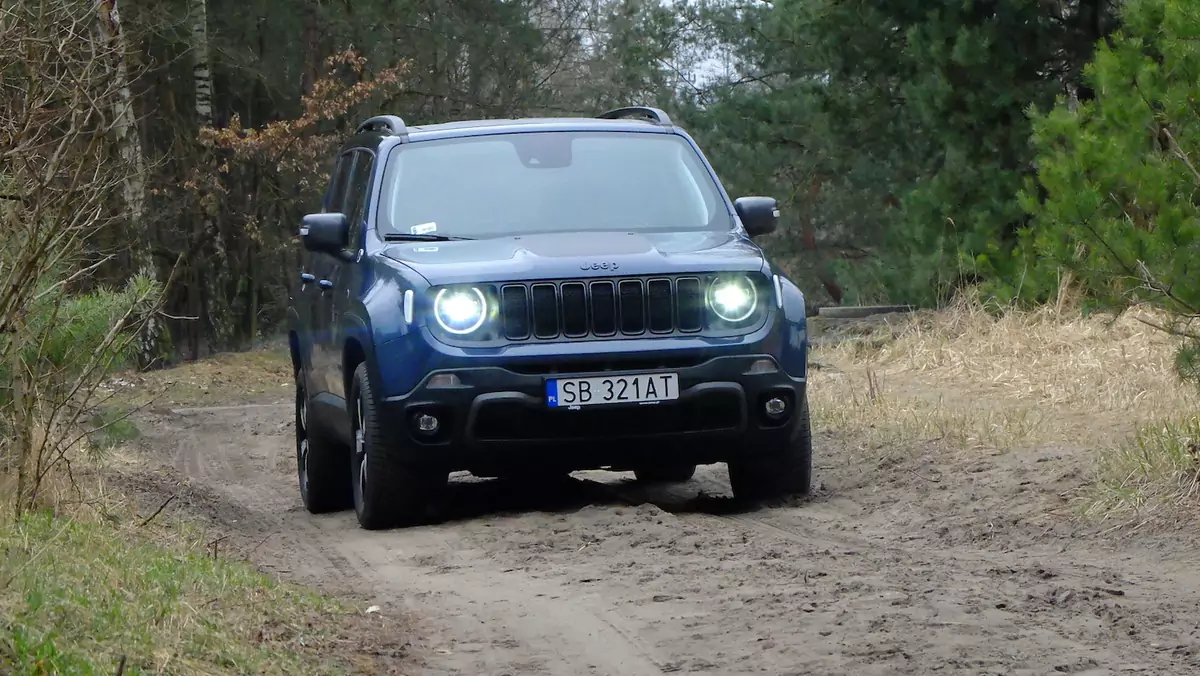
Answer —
527 298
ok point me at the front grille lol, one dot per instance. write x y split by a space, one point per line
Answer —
602 308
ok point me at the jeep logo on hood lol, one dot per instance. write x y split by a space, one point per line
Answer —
599 266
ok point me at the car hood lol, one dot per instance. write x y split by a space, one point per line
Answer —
577 254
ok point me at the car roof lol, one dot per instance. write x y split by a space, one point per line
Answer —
479 127
467 128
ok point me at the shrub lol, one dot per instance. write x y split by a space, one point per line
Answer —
1120 173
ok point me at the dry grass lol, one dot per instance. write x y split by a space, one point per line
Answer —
974 381
1147 477
220 379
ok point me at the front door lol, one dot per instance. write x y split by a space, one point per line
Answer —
321 291
346 277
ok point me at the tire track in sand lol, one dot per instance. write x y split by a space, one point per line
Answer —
627 579
479 617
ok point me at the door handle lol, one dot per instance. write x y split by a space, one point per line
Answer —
325 284
307 278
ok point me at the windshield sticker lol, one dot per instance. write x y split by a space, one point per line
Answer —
423 228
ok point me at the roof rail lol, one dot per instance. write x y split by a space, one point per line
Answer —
385 123
654 115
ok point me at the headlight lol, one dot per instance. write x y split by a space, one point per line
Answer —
460 311
733 300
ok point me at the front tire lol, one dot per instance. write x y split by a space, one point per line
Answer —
387 493
780 472
320 463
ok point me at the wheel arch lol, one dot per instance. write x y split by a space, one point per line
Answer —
353 354
357 348
795 324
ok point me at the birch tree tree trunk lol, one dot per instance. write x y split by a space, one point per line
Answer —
128 143
210 276
202 70
129 147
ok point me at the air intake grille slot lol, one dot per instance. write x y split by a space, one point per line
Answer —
545 311
514 308
633 307
658 306
604 308
690 301
574 309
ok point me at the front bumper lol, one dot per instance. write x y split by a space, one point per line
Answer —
496 418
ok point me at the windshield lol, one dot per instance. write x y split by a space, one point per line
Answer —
524 183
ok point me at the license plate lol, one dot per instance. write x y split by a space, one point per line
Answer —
639 388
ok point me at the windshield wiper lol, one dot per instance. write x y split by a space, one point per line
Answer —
403 237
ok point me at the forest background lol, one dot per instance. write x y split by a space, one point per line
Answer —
1030 151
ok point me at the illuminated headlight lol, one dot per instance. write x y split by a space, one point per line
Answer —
733 300
460 311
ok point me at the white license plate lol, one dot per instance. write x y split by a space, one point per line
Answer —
639 388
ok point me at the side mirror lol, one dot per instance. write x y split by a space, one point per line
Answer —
760 215
325 233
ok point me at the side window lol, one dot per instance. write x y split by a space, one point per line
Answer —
336 195
356 194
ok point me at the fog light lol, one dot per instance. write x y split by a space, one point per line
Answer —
427 423
775 407
761 366
444 380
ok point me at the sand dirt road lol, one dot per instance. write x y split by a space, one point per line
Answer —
917 567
